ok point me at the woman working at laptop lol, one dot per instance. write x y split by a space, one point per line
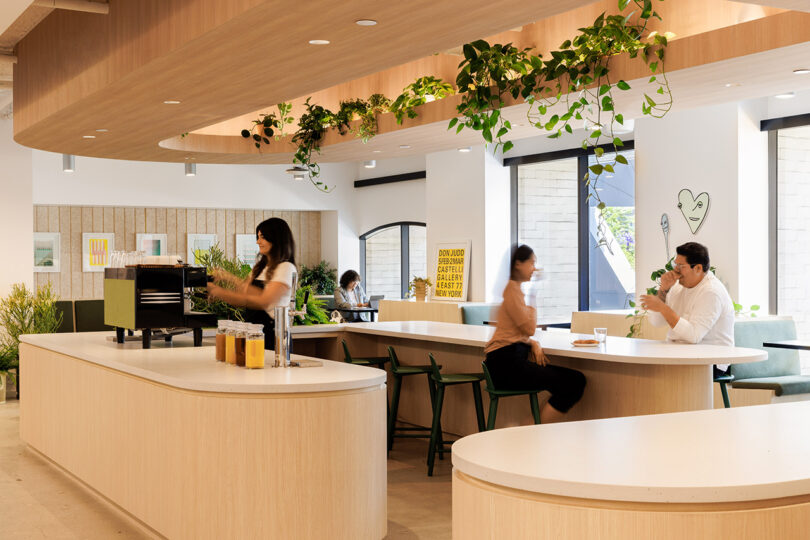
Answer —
350 295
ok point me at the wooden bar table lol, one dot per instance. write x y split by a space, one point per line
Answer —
739 473
195 448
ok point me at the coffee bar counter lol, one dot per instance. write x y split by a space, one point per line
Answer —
194 448
725 473
626 377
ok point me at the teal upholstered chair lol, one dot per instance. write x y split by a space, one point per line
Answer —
477 313
781 372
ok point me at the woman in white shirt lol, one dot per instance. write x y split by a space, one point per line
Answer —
270 282
349 295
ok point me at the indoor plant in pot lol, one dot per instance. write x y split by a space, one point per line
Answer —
418 288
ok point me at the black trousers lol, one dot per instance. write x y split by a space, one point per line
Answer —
511 369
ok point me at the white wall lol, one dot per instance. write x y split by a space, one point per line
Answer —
349 211
16 212
695 149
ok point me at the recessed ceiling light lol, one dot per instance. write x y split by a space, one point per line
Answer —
801 71
404 146
365 22
171 102
319 42
465 149
786 95
376 151
102 130
732 84
88 136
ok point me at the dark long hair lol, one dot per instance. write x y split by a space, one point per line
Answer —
347 277
277 232
520 253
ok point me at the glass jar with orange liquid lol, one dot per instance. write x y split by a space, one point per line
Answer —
222 327
254 347
230 343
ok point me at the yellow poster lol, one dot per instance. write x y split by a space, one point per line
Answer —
452 271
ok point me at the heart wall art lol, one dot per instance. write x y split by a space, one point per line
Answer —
694 209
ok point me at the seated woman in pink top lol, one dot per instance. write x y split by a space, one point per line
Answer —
515 360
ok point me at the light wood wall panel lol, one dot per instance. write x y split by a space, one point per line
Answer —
176 223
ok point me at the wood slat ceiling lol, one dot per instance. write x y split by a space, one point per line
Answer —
79 72
223 61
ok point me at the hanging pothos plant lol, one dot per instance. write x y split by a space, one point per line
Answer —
573 84
269 125
419 92
366 111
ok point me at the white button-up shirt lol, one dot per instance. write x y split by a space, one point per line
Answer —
706 314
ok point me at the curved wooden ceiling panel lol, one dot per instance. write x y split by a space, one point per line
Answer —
79 72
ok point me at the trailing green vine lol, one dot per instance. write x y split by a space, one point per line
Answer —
574 84
419 92
266 125
366 111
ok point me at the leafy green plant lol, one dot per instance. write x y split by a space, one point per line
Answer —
264 127
316 314
215 259
419 92
574 84
25 312
322 278
366 111
621 222
740 311
311 128
415 281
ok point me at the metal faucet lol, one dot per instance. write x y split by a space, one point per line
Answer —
284 322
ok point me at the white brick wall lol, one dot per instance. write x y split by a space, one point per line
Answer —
547 221
793 226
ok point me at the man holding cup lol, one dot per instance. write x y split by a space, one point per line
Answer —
693 302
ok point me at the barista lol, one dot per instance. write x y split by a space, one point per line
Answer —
270 282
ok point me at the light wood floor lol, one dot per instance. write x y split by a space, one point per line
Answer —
39 501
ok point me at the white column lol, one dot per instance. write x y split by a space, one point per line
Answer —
16 212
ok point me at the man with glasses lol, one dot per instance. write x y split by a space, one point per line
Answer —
693 302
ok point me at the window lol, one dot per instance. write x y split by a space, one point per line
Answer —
557 219
391 255
792 193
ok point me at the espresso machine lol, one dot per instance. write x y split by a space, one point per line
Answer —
152 298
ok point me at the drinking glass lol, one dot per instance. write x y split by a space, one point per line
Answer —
600 334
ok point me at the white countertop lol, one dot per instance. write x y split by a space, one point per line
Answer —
616 349
194 368
720 455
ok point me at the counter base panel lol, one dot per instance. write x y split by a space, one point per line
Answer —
212 465
614 389
484 511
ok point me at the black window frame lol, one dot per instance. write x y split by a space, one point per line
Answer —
582 155
405 260
772 126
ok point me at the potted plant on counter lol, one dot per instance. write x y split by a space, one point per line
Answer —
418 288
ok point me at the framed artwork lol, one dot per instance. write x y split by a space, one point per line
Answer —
198 244
246 248
46 251
152 244
96 249
452 271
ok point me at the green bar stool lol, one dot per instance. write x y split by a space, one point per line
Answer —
724 380
494 395
371 361
443 380
399 372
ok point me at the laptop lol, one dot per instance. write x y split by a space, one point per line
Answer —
374 300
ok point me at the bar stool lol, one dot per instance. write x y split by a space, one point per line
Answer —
399 371
494 395
443 380
724 380
371 361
